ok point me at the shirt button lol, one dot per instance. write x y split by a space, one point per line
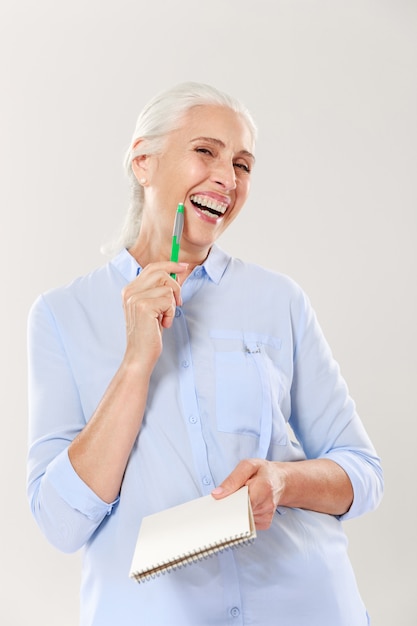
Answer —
177 312
206 480
185 363
198 273
235 612
193 419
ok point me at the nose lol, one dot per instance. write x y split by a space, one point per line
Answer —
224 175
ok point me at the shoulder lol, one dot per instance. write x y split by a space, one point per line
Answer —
91 291
263 281
263 294
81 286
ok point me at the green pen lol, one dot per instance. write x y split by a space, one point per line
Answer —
176 235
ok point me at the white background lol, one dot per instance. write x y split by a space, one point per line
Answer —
333 88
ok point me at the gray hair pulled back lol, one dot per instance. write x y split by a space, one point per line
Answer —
159 117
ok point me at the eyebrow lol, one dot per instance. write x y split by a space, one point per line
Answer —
221 144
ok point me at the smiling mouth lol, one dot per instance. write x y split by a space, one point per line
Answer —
209 206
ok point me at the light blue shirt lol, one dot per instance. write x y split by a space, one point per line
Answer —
244 357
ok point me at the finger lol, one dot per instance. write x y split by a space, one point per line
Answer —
154 303
262 522
162 271
265 490
157 275
239 477
263 511
168 314
170 267
156 285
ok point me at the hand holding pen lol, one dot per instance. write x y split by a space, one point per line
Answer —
150 302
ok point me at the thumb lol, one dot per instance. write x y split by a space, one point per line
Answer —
239 477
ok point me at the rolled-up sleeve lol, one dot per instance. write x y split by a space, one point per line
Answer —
65 508
324 416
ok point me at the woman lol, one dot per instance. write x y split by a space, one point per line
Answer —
185 387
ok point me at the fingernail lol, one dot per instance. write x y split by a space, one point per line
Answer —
184 264
218 491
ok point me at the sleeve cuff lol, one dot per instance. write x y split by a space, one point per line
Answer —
365 474
74 491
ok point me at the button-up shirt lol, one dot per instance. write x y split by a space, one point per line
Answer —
245 372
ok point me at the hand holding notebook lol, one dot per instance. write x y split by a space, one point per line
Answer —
191 531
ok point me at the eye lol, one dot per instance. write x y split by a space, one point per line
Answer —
206 151
242 166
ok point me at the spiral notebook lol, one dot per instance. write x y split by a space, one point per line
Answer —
190 532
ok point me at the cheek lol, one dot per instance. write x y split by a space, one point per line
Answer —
243 189
196 172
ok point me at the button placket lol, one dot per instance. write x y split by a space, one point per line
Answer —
190 406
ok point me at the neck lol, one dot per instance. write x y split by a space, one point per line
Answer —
148 249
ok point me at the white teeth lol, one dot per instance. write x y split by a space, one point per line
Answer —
210 203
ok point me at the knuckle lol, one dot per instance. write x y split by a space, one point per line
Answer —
125 293
247 464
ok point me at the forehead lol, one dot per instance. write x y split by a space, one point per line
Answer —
219 123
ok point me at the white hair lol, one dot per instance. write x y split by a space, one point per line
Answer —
159 117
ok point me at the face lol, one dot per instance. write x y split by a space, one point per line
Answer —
206 164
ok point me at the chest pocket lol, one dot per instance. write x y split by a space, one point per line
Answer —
249 387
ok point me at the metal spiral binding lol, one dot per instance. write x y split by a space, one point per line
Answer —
189 559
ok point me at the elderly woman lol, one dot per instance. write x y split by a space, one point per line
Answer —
148 390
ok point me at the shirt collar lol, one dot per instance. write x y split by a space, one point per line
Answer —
126 264
215 264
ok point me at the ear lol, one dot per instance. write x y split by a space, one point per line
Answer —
139 163
140 166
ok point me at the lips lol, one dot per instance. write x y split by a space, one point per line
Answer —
208 205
